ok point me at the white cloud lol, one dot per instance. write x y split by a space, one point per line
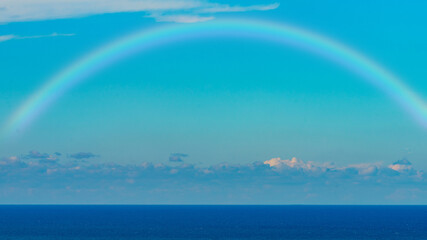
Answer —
49 35
181 18
6 37
30 10
295 163
328 170
185 11
15 37
227 8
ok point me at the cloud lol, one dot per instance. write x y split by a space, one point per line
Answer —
181 18
185 11
6 37
275 181
402 165
227 8
82 155
45 36
206 11
15 37
177 157
36 155
42 157
294 163
288 170
33 10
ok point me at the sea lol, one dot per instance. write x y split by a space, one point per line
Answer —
106 222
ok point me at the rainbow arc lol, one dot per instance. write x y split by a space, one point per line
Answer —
286 35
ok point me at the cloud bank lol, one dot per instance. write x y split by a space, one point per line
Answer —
44 178
184 11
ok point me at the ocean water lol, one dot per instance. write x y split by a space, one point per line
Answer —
213 222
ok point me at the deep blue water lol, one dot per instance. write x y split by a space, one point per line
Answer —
213 222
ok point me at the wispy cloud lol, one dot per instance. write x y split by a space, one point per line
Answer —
222 8
184 11
6 37
46 36
15 37
180 18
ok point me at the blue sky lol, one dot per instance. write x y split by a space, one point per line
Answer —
200 105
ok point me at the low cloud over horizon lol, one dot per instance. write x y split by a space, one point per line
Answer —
44 178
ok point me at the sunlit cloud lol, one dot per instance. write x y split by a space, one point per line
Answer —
402 166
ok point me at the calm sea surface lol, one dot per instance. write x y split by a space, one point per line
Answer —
213 222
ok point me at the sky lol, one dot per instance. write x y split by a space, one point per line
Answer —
213 120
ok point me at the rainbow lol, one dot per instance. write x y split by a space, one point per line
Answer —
283 34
